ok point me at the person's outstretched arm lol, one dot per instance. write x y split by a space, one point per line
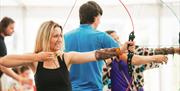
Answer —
166 51
78 58
156 51
16 60
138 60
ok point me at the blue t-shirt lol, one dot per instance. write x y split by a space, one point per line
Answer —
87 76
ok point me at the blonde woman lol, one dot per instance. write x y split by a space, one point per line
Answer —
53 74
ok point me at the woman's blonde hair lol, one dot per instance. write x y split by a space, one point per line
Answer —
44 35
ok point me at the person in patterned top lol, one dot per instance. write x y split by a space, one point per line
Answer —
120 79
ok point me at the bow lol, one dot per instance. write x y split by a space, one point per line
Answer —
131 38
172 11
69 14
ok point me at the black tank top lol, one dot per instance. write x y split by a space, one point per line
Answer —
3 50
53 79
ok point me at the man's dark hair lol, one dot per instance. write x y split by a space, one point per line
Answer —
110 31
23 69
4 23
20 70
88 11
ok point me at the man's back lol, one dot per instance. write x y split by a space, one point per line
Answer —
88 76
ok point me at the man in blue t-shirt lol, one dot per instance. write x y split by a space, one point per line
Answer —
88 76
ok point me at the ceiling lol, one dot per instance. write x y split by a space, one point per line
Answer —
44 3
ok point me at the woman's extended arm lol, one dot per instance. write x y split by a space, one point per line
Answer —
78 58
16 60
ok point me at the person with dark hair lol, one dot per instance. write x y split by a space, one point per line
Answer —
7 29
114 35
87 38
26 72
120 79
13 85
7 26
89 11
